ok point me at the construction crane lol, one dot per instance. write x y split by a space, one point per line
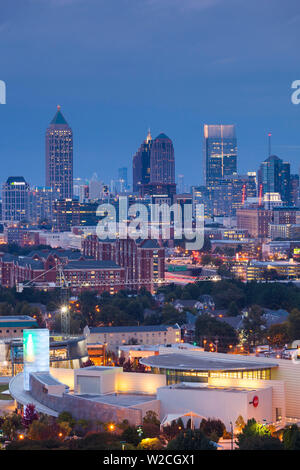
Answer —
63 285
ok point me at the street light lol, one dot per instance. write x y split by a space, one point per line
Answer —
231 427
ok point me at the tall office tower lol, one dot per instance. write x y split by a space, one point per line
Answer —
274 177
95 188
295 190
180 184
15 199
41 202
228 194
141 164
219 152
59 156
162 162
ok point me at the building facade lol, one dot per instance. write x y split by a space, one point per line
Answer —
219 152
15 199
274 177
59 156
141 164
115 336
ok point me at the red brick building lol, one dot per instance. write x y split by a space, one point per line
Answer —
143 261
80 272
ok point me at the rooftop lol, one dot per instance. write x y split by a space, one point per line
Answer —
120 399
92 264
198 363
205 387
59 118
131 329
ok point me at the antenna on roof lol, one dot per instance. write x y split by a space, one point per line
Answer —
269 143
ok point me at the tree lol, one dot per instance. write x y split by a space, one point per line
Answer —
30 414
191 440
291 437
233 310
131 435
88 301
294 324
39 431
257 442
211 329
254 325
96 441
151 418
150 444
170 315
255 436
66 417
278 334
11 424
212 426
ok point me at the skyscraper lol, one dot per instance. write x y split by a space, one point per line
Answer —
274 177
162 162
59 156
219 152
15 194
141 164
180 184
162 170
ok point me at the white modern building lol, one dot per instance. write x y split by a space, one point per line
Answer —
177 382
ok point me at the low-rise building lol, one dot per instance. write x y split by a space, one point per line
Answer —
116 336
12 326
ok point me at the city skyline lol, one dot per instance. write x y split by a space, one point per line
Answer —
177 95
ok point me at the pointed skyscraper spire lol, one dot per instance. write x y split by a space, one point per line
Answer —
59 117
149 136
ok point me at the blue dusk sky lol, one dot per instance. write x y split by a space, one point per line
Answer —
118 67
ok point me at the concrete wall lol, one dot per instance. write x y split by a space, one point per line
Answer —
66 376
114 380
278 390
116 339
139 382
287 371
221 404
81 408
107 377
153 405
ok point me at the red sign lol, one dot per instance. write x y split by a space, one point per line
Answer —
255 401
